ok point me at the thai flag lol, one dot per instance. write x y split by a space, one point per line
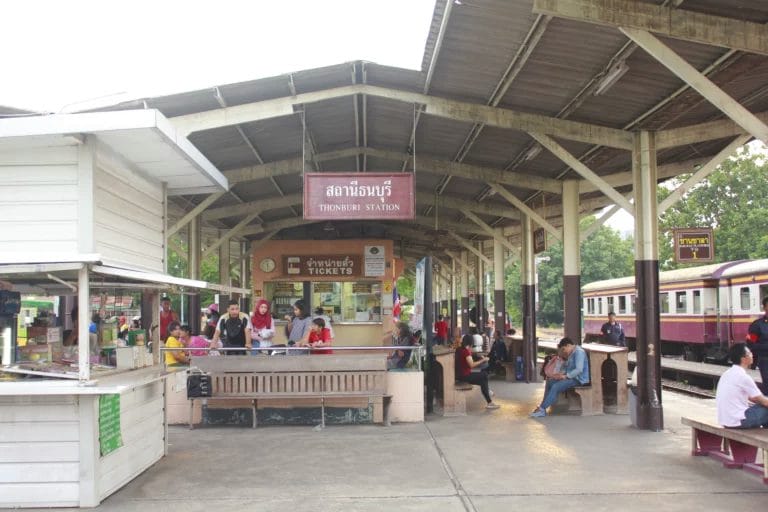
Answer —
395 303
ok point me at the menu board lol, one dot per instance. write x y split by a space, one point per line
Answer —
110 438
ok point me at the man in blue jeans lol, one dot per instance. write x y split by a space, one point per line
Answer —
576 373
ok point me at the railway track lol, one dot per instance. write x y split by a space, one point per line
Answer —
686 389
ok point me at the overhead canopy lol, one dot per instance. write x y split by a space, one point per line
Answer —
513 97
143 137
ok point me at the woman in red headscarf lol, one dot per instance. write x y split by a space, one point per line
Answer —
263 327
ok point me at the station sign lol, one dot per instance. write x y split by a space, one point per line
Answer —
694 245
355 196
337 265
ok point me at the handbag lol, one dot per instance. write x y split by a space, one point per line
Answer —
198 384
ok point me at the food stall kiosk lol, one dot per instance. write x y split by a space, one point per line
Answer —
83 198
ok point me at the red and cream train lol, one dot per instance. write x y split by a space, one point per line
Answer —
703 309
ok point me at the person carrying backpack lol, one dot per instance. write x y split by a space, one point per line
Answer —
234 330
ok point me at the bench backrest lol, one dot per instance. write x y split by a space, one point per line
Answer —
294 375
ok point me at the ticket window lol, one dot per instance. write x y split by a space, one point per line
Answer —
350 302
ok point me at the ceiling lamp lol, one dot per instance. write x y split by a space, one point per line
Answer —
612 76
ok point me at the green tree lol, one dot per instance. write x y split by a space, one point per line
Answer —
731 200
604 255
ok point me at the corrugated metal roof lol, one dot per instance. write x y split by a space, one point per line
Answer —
492 52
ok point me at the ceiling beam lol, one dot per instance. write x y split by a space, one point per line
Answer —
702 173
575 164
541 221
430 199
624 178
440 107
471 248
703 85
194 212
261 205
667 21
692 134
426 164
225 238
278 225
490 231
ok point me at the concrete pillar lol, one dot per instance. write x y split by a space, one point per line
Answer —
83 322
571 261
499 297
649 410
528 280
464 293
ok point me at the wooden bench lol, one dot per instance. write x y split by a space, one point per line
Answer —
734 447
320 377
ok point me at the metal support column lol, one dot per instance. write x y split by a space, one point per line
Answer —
528 280
499 297
650 415
194 250
571 261
225 276
245 274
453 308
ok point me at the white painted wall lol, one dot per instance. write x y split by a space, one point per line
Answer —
39 200
142 420
39 459
49 447
129 209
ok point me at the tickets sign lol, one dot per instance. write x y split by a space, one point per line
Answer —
370 195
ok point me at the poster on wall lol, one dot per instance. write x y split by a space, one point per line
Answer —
375 264
110 437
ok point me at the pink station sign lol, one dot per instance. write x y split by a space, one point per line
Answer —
370 195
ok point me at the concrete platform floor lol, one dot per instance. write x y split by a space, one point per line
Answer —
487 461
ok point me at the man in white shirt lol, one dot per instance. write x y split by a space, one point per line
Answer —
740 404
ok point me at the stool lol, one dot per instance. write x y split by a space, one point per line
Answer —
460 397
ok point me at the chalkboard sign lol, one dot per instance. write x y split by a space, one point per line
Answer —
110 438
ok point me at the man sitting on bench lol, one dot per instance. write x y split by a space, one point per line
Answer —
739 402
576 374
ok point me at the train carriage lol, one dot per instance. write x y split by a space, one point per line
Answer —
702 309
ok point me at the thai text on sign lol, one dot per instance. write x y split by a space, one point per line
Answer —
323 265
331 196
694 245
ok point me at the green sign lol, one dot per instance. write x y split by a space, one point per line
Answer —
109 424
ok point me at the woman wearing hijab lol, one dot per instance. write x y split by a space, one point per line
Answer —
263 328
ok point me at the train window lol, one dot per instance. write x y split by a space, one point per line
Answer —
744 298
599 305
632 303
609 304
664 302
622 304
590 306
681 302
696 301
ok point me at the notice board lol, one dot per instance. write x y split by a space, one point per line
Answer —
110 438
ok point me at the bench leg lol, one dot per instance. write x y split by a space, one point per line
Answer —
742 453
705 443
386 401
255 410
322 412
191 412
